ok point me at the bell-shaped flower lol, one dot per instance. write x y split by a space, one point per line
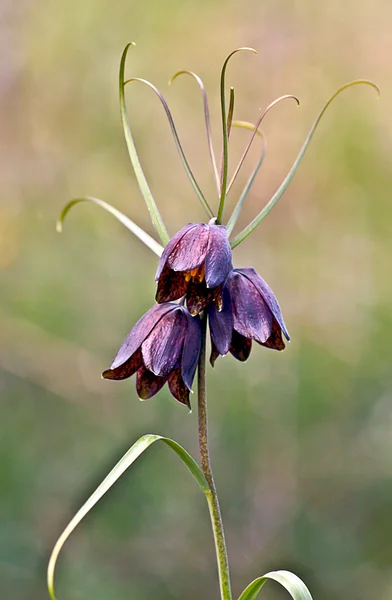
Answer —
163 346
195 261
249 311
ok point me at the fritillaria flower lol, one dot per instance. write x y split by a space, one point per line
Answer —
163 346
195 262
250 311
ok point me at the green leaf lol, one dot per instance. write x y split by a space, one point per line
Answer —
177 142
225 136
207 121
293 584
129 224
126 461
141 179
283 186
236 212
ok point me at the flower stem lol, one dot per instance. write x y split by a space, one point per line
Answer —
212 497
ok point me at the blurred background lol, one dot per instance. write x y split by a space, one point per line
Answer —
301 440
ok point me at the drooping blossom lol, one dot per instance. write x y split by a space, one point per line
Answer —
249 311
163 346
195 262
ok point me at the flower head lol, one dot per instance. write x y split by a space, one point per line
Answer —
195 261
163 346
250 311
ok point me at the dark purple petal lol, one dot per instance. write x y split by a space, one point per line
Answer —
178 389
170 247
221 323
197 297
139 332
252 317
148 384
190 251
240 347
171 285
191 350
268 296
125 370
162 349
218 259
214 354
275 341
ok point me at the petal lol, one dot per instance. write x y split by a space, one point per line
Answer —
218 259
221 324
125 370
197 297
214 354
191 350
178 389
240 347
139 332
252 317
268 295
170 247
162 349
190 251
171 285
275 341
148 384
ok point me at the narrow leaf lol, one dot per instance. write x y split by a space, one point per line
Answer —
236 212
225 150
293 584
129 224
282 188
207 119
124 463
177 142
141 179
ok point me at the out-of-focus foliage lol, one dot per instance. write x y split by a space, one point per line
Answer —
301 441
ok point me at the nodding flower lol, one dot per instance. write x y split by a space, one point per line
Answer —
163 346
195 262
249 311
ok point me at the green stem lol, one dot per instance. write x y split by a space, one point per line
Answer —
212 497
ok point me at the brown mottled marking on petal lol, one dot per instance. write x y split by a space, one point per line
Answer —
240 346
197 297
275 341
171 285
148 384
125 370
178 388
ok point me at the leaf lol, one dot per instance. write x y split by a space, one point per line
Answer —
284 185
141 178
129 224
126 461
293 584
225 135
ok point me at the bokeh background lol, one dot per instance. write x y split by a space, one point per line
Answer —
301 441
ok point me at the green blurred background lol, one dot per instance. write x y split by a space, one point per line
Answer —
301 440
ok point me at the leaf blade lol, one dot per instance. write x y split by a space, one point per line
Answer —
119 469
293 584
133 155
129 224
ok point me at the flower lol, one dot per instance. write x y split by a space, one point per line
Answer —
163 346
250 311
195 261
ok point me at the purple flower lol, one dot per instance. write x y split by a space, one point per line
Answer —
163 346
195 261
249 312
